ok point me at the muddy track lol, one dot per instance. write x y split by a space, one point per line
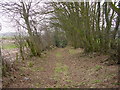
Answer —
65 67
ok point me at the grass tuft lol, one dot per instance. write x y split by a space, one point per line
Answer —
97 67
96 81
30 64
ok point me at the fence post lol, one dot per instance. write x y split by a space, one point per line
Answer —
0 68
0 55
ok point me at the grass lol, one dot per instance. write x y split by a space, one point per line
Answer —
37 69
82 83
9 46
73 51
58 54
56 77
97 67
23 68
30 64
116 83
96 81
37 85
69 81
7 37
43 55
61 68
110 76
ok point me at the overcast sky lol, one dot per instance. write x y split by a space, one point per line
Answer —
7 25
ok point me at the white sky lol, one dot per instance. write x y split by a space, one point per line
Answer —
6 24
8 27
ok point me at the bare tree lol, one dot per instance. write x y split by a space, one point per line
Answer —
27 14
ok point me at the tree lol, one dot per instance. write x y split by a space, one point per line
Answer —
26 15
86 25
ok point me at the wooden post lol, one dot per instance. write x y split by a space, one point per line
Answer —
0 68
0 55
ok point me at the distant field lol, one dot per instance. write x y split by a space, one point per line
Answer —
7 37
7 43
9 46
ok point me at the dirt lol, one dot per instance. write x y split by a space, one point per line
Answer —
63 68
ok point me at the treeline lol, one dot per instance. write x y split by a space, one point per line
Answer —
95 27
91 26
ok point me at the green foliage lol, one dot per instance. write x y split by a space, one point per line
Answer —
60 43
32 89
116 83
81 24
31 46
60 40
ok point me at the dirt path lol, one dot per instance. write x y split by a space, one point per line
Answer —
65 67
